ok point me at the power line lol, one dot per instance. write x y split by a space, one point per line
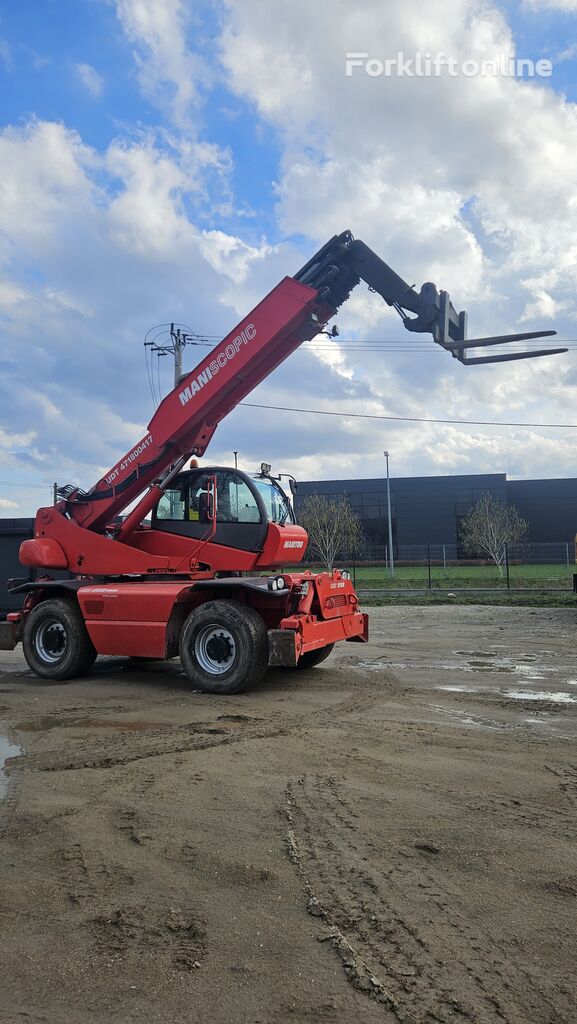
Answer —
414 338
13 483
409 419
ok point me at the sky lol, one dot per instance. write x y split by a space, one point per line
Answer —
172 160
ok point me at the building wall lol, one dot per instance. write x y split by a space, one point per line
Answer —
428 510
549 506
424 510
12 533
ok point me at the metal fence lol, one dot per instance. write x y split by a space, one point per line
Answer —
442 567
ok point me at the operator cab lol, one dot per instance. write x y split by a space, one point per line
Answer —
245 506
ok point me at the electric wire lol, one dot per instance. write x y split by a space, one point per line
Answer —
150 384
409 419
14 483
409 346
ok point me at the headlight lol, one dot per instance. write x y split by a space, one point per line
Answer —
277 583
345 574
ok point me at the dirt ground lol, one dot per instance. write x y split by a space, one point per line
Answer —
390 837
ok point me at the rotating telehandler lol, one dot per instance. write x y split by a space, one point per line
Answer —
183 573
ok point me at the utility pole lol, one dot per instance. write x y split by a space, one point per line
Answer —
390 522
174 347
179 341
235 459
55 493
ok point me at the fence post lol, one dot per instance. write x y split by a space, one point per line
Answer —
354 572
444 558
507 566
567 553
429 563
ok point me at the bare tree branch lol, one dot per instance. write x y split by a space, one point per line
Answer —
332 526
490 526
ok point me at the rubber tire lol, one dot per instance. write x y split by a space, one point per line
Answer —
251 639
311 658
80 653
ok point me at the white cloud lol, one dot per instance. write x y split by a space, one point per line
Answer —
551 5
569 53
113 251
231 255
467 182
470 183
398 159
168 71
91 80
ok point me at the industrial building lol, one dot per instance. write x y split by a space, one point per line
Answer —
429 509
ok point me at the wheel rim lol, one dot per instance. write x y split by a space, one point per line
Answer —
215 649
51 641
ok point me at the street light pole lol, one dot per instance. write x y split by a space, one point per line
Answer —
235 459
390 521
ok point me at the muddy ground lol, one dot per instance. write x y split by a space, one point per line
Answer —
390 837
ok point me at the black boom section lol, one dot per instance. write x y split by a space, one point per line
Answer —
344 261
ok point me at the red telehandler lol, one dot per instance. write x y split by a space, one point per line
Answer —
182 574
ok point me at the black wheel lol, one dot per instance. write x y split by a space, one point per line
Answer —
311 658
224 647
56 644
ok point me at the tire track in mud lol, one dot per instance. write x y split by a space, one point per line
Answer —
396 925
9 802
10 787
126 746
567 774
120 925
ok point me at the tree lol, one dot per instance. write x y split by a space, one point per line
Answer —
490 526
332 527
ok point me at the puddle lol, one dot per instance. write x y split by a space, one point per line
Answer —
475 654
47 723
526 665
8 751
463 718
381 664
552 697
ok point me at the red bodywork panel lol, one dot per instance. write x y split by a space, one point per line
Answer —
131 619
284 545
145 619
149 550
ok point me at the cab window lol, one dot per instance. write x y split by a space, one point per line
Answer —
171 505
235 501
190 500
277 505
